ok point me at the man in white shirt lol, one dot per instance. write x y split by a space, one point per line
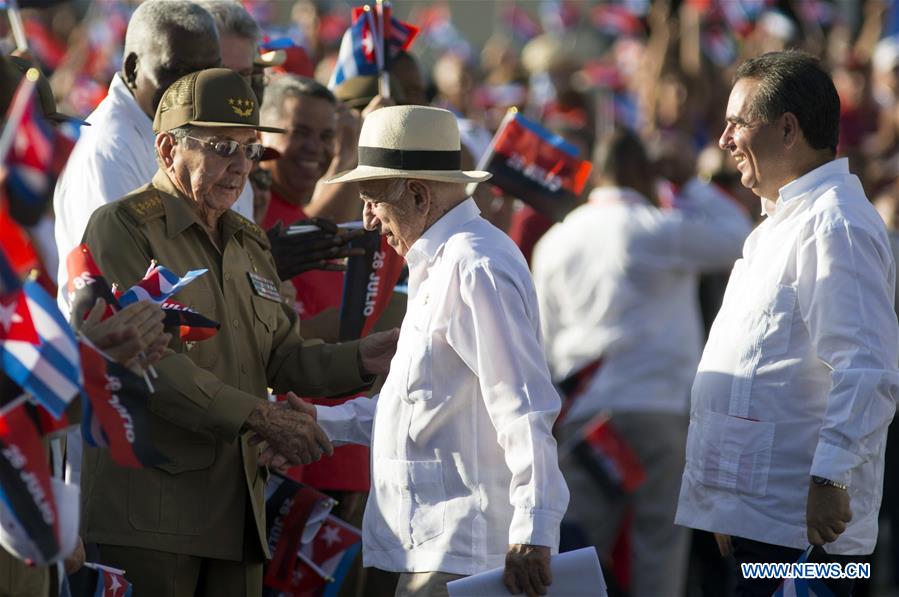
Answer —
798 381
465 473
165 41
618 280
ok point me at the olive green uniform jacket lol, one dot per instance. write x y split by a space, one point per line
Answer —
198 503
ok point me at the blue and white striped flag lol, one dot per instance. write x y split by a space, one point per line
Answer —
159 284
38 349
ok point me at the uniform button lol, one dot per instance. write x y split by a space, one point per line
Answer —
235 323
227 276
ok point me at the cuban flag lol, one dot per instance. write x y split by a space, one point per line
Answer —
30 160
537 166
28 508
356 57
294 513
38 349
159 284
115 413
368 285
803 587
358 52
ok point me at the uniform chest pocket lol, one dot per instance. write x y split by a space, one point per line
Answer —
265 322
776 321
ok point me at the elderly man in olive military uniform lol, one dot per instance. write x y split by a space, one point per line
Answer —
196 526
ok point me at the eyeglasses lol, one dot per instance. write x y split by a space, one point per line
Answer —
226 148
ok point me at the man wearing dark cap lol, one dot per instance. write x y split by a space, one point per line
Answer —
196 525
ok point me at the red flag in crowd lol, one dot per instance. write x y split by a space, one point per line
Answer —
86 284
26 493
573 386
323 565
368 285
537 166
611 459
115 414
294 513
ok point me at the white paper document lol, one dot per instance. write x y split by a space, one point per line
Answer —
575 574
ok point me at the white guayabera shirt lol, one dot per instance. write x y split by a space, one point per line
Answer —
463 458
799 376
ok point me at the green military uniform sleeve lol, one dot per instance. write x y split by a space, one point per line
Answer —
310 367
185 395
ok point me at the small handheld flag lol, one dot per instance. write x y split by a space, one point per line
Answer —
294 512
536 166
115 413
158 284
368 285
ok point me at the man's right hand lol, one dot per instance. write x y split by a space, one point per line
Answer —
290 433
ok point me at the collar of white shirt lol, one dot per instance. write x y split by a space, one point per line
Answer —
805 183
426 247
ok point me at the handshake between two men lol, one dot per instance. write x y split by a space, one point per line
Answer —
289 429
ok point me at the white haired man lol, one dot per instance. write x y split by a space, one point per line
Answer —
465 473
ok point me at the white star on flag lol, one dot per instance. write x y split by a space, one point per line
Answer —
8 315
368 44
115 585
331 535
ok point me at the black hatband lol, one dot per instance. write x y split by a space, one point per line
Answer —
410 159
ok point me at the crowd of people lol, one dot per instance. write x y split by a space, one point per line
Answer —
720 305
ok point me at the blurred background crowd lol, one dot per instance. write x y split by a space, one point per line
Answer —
582 68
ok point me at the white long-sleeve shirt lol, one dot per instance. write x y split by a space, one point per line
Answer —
799 376
463 459
618 279
113 156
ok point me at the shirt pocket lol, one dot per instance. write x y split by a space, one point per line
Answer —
735 453
412 499
776 321
418 373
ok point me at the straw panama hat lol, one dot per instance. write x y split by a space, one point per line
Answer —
410 142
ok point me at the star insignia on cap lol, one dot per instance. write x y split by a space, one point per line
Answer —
242 107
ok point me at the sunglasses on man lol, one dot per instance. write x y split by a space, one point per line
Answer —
226 148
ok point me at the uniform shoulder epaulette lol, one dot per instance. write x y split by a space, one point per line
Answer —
144 204
251 229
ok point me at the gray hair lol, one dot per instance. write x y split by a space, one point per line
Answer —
232 18
180 133
286 86
153 17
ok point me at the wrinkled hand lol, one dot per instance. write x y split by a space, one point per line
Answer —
827 513
527 570
298 253
133 336
289 432
725 547
376 350
269 456
75 560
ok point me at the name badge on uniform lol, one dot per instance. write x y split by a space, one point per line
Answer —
264 287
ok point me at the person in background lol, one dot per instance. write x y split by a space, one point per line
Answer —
798 381
115 155
617 282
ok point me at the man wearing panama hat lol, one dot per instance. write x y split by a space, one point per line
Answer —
465 472
196 524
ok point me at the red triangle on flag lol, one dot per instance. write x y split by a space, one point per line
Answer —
15 320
